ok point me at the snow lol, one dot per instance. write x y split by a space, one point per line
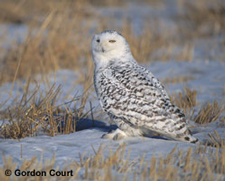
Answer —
209 79
67 147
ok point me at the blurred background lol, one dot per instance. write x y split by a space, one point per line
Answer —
38 36
46 66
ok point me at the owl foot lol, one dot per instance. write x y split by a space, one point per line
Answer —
115 135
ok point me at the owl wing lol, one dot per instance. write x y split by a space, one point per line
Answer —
132 93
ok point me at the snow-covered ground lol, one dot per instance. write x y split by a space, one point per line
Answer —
208 78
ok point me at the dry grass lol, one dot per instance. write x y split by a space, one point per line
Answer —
207 113
222 120
216 140
198 164
185 101
49 46
59 36
202 18
37 113
32 11
224 90
210 112
178 79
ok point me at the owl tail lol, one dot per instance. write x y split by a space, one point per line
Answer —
188 138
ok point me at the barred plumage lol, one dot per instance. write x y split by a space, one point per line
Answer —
131 95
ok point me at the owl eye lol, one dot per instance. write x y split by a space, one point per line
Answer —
112 41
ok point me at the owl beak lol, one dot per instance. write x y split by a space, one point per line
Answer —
103 50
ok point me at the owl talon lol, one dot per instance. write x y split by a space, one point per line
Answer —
107 136
118 136
114 135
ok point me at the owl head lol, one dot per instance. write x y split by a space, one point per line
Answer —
109 45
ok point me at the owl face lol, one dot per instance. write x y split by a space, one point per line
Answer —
109 45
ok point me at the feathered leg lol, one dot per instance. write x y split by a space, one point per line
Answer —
124 130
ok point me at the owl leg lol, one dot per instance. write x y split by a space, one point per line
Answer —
124 130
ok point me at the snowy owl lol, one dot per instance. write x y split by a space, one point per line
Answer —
130 94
